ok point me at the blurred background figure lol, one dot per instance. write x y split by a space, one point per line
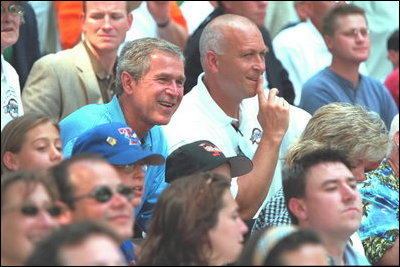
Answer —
28 213
31 142
383 19
285 245
11 103
392 80
79 244
195 222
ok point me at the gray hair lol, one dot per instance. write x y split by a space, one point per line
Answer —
214 34
394 127
135 57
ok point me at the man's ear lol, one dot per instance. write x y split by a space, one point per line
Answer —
10 160
298 207
212 61
127 82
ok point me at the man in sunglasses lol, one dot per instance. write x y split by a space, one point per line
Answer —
93 190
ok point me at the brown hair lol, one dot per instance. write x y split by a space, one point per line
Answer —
31 180
182 218
14 133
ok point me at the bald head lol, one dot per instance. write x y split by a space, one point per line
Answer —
216 34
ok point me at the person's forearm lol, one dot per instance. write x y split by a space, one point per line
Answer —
391 257
173 33
254 186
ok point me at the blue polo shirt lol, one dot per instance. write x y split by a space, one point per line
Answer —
327 87
93 115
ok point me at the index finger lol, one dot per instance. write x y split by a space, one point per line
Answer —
272 95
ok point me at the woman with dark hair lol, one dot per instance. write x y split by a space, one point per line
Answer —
195 222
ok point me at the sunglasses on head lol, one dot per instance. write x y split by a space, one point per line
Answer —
103 194
32 210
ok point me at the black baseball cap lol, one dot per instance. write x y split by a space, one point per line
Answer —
202 156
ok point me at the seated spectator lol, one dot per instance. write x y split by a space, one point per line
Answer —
346 35
201 156
379 229
392 80
31 142
150 77
339 126
61 83
78 244
195 222
28 213
283 246
230 108
11 104
321 194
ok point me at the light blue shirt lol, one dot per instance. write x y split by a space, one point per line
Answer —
352 258
92 115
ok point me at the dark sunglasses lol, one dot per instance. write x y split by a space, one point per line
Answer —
32 210
103 194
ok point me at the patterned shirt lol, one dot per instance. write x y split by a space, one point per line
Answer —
380 223
273 213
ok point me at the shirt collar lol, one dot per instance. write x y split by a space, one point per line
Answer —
212 107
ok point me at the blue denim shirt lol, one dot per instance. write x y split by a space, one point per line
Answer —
92 115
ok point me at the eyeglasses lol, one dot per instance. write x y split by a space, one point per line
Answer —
15 9
356 32
103 194
32 210
129 168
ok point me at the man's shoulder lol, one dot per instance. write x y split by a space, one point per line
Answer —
64 58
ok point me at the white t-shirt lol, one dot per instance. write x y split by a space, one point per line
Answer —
200 118
11 104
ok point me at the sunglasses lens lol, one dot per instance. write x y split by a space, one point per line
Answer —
54 211
29 210
125 191
103 194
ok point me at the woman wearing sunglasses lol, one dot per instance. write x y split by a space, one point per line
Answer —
28 213
31 142
195 222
